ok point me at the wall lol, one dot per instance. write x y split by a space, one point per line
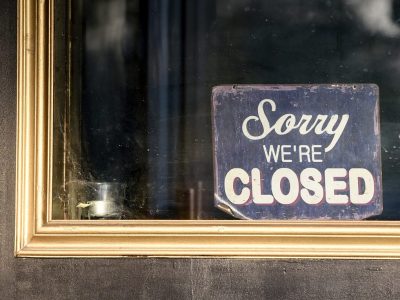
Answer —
159 278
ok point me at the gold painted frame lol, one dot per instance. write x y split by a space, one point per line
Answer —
39 236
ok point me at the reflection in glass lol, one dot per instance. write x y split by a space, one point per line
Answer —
133 118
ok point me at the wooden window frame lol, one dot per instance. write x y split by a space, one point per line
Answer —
39 236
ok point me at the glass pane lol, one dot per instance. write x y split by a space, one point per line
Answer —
133 85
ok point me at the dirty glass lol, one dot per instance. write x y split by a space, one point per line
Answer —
133 79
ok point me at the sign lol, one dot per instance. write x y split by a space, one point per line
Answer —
297 151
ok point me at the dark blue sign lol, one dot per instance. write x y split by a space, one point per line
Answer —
297 151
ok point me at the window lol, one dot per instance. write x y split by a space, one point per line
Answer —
114 103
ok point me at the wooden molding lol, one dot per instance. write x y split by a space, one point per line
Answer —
38 236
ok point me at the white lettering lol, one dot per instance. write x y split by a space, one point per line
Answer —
277 177
331 185
310 179
304 150
229 185
315 153
286 123
286 153
355 175
311 186
258 197
271 152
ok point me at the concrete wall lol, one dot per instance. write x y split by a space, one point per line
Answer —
160 278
